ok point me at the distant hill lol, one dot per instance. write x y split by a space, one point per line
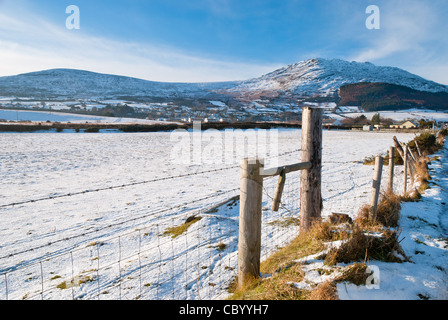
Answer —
322 80
385 96
72 84
323 77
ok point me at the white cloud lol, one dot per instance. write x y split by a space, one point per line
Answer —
31 44
409 30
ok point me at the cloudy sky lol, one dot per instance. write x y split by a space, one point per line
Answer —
220 40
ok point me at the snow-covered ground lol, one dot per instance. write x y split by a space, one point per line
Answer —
411 114
112 241
423 230
42 116
424 238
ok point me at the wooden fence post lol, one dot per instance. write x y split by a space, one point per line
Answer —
376 185
400 148
391 168
310 181
405 160
418 148
249 240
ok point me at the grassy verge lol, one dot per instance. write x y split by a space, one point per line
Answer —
352 244
363 240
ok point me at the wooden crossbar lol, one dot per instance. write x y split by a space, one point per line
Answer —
287 169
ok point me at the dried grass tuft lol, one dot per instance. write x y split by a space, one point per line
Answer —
388 211
306 243
355 273
387 215
278 287
363 247
324 291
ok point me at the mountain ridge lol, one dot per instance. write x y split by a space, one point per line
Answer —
327 75
309 79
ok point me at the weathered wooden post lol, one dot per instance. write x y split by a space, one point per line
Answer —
405 160
418 148
411 159
376 185
310 181
400 148
279 191
249 241
391 168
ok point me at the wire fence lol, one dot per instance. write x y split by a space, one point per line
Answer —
282 226
177 257
186 251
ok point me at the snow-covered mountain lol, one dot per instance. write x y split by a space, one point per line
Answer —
72 83
321 76
302 79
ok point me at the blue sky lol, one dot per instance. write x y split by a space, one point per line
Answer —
220 40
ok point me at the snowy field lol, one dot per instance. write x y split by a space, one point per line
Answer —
109 198
403 115
41 116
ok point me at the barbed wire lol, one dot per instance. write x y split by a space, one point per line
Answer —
191 273
161 272
116 187
216 194
131 184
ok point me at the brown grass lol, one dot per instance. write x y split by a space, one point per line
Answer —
278 287
324 291
388 211
76 282
365 220
387 215
363 247
305 244
422 175
177 231
355 273
285 271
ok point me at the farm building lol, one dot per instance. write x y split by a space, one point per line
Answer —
409 124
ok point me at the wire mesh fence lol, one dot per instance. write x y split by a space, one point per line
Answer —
282 226
173 236
184 254
184 251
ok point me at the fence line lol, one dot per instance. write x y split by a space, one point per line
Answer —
311 201
131 247
116 187
131 184
41 278
121 223
152 262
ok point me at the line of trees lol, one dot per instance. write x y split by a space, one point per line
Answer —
363 120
